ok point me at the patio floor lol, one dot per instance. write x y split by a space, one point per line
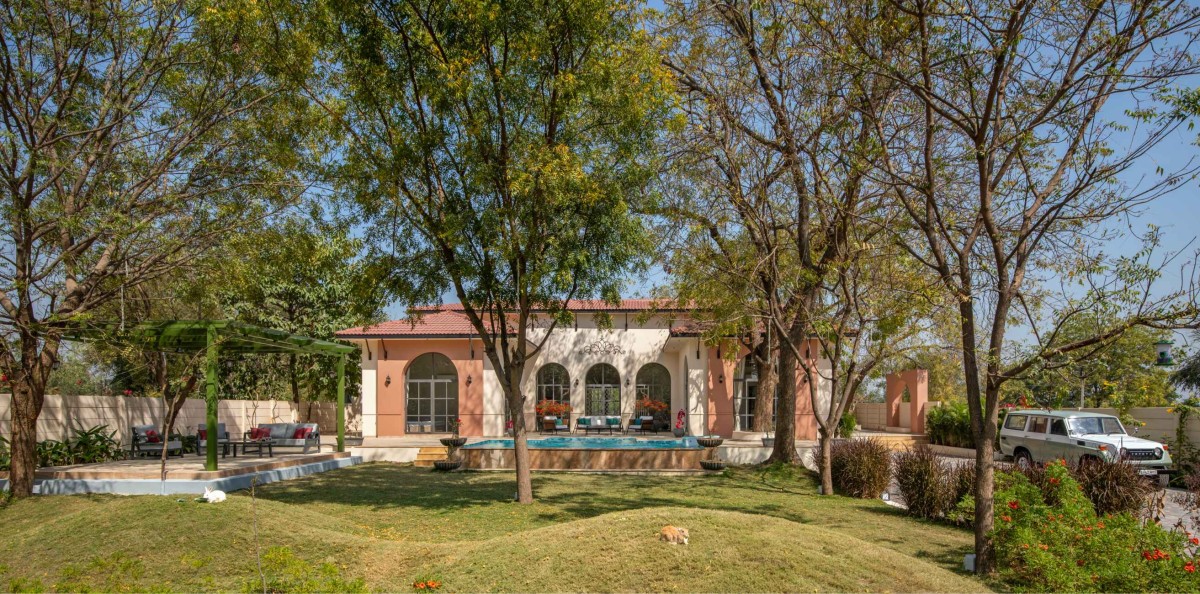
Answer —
186 475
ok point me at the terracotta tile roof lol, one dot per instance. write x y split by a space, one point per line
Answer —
449 321
434 323
630 305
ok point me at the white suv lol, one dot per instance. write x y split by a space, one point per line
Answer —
1044 435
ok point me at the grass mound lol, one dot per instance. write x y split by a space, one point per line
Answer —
728 552
382 527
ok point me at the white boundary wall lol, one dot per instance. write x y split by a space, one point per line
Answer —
62 416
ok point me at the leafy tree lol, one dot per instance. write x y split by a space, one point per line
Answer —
303 275
1120 373
780 151
134 135
1002 157
498 151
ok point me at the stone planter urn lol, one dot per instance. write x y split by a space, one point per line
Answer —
768 442
446 465
713 465
453 442
710 441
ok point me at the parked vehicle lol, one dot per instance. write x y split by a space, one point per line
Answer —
1040 436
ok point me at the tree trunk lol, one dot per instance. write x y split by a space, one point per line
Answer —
295 382
984 505
28 395
25 410
784 449
826 439
516 413
768 381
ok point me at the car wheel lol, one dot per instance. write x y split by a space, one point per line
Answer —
1022 459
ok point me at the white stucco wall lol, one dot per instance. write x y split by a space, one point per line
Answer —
370 367
640 345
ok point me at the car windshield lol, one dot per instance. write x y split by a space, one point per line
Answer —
1096 426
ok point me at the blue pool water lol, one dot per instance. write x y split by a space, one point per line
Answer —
592 443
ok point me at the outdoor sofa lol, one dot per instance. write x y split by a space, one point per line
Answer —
147 439
293 435
598 423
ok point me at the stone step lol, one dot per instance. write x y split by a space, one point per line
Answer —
427 455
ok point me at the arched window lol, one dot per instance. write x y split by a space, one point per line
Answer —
553 383
431 394
654 383
745 391
603 396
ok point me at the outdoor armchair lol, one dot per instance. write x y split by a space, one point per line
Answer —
147 439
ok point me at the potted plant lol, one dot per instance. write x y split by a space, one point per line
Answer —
455 441
680 427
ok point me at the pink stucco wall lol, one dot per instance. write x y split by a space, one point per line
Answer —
393 363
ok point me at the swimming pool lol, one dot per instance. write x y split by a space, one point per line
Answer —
587 453
591 443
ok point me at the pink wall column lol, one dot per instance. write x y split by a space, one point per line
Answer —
806 418
394 359
917 382
720 393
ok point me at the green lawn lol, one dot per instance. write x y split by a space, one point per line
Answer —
389 525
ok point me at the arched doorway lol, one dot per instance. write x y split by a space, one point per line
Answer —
431 394
654 384
603 395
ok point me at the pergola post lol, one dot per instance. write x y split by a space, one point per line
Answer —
210 396
341 403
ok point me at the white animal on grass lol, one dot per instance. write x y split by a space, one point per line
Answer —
212 496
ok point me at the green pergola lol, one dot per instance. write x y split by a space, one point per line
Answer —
214 337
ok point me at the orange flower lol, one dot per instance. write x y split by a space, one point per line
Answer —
1195 541
1013 505
1189 567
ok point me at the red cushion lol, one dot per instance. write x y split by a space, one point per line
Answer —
152 436
202 434
257 433
302 433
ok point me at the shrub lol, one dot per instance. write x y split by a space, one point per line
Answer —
1065 546
97 444
1112 487
285 572
924 481
962 479
52 452
846 426
5 454
859 467
950 425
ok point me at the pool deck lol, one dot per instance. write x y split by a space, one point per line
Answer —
186 475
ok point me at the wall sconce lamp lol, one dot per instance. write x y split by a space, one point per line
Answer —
626 382
469 379
721 380
387 381
576 382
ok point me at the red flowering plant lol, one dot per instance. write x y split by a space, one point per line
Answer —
651 405
455 425
552 408
1049 537
679 419
426 584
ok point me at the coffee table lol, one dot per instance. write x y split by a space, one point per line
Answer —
257 444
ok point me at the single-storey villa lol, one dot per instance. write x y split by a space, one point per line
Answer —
421 374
